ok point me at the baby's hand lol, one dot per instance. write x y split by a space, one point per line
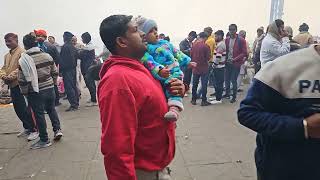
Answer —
192 65
164 73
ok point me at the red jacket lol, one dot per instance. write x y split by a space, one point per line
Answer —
134 132
201 54
240 51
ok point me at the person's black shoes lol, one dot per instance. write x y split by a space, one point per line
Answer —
193 102
233 100
205 103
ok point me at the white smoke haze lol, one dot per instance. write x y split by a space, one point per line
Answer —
174 17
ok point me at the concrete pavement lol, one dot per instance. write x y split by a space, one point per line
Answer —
210 145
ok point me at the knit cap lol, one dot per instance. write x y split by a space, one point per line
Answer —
145 25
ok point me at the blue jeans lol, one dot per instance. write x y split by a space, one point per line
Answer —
70 85
204 85
232 73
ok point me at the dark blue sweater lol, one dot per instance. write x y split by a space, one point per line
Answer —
282 151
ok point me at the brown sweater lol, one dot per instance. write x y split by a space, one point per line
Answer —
10 67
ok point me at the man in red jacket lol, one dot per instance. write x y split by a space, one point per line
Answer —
236 54
137 143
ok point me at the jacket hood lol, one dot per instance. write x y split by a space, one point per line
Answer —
274 31
120 60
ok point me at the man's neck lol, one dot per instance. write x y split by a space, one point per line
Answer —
11 50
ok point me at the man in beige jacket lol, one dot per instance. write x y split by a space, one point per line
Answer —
9 74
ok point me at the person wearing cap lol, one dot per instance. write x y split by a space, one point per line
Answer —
294 45
164 62
68 65
185 47
47 47
304 38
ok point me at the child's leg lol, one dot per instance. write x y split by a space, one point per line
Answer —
175 107
174 102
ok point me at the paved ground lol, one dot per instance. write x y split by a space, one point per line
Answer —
210 145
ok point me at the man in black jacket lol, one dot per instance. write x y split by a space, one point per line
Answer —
68 64
185 47
87 57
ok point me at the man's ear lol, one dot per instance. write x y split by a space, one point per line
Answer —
121 42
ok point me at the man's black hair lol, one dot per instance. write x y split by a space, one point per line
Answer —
203 35
260 30
113 27
9 35
304 27
52 37
167 38
233 25
86 37
30 41
193 34
279 23
219 33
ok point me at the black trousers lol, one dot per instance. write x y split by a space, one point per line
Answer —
57 95
219 80
21 109
187 76
70 85
91 85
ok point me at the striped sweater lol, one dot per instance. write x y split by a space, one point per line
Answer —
219 58
46 70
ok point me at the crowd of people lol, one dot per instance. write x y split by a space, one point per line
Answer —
33 72
147 77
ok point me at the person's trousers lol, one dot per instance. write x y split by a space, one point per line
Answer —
70 85
37 105
232 73
20 107
219 80
91 85
153 175
48 99
211 78
204 85
239 80
57 94
187 76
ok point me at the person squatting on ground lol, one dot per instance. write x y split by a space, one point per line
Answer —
165 62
